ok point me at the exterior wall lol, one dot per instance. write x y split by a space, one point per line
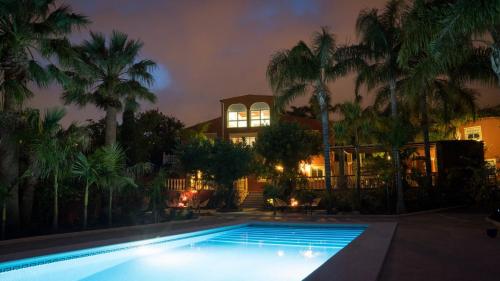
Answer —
490 135
246 100
417 162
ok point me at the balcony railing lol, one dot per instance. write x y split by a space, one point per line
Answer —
317 183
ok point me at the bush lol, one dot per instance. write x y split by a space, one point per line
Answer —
305 196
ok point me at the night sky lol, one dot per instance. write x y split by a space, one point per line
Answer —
207 50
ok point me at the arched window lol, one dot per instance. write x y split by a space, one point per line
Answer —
260 114
237 116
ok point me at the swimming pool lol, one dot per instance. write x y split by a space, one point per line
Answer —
244 252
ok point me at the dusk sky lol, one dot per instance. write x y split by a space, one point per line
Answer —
213 49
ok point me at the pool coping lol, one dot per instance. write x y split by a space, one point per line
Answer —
362 259
103 242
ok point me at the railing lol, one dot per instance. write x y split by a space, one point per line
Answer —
176 184
182 184
317 183
241 187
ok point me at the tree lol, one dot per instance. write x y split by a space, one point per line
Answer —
379 35
428 84
443 28
355 127
88 170
128 137
113 173
54 150
194 155
301 111
157 193
29 31
228 162
105 73
5 193
158 135
303 69
286 144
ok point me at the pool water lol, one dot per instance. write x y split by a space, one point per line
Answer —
243 252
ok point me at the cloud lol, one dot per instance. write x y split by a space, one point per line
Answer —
162 78
209 50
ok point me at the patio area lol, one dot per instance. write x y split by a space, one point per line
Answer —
443 246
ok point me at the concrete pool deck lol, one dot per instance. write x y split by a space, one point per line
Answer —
450 245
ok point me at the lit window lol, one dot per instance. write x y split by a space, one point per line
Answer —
473 133
260 114
317 171
250 141
237 116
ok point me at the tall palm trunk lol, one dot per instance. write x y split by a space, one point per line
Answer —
427 146
110 207
326 145
27 200
9 159
55 219
400 205
110 133
4 218
85 204
358 175
342 182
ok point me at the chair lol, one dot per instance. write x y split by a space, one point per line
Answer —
173 203
314 204
280 204
201 205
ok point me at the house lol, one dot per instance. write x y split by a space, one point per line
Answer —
486 130
242 117
240 121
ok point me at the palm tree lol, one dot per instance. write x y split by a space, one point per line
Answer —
105 74
54 150
4 195
379 36
442 29
30 30
445 88
113 174
86 169
355 127
157 195
307 69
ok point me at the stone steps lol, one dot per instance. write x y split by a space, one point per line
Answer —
253 200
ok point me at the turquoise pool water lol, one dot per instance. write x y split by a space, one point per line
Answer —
248 252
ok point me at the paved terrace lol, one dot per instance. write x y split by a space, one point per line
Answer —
449 245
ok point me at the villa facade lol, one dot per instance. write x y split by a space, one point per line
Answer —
242 117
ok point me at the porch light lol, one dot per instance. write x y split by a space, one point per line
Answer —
294 202
279 168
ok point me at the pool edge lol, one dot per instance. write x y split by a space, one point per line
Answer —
362 259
